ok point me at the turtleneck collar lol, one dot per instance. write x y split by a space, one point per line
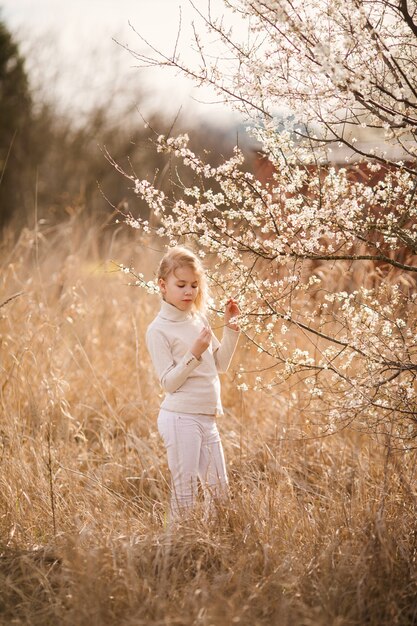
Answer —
170 312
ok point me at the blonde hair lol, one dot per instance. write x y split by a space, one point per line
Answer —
183 257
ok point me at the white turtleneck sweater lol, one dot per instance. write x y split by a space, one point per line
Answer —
192 385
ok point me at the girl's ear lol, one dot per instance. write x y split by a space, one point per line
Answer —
161 284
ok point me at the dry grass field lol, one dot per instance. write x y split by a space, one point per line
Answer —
319 530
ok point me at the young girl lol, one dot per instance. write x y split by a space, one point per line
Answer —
187 358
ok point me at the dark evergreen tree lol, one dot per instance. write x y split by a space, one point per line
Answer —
15 119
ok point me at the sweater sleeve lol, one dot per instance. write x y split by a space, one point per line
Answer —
171 374
223 351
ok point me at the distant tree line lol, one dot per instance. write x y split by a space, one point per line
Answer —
58 165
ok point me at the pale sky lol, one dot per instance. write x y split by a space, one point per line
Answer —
78 59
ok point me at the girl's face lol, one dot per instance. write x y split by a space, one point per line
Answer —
180 288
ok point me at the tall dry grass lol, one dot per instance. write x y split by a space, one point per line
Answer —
319 530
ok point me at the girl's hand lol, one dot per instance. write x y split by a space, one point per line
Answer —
202 342
231 311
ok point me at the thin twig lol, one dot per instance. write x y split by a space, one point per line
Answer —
16 295
51 480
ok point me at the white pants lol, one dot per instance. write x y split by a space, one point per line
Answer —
194 451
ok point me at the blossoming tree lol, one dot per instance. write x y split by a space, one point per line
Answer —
322 255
